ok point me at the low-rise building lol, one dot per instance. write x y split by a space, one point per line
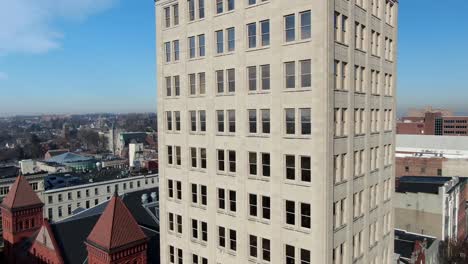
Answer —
431 155
62 201
434 206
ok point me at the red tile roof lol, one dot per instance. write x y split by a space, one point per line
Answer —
116 227
21 195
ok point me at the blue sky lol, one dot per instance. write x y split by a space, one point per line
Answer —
68 56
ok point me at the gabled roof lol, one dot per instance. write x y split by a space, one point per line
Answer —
46 238
21 195
116 227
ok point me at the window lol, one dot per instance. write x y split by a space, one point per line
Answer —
375 43
358 245
303 30
298 214
230 86
301 126
227 201
375 6
262 123
259 207
254 2
167 17
303 255
265 32
175 45
6 189
221 4
226 121
360 36
167 50
303 173
174 155
174 189
193 51
259 164
389 9
256 84
226 165
341 75
359 161
198 259
340 168
172 86
198 158
375 77
339 254
197 121
259 248
341 24
359 121
263 40
197 88
193 5
199 231
359 79
290 28
339 213
388 84
388 49
50 214
227 238
229 45
358 204
176 255
303 80
341 122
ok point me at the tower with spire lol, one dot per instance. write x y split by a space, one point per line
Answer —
117 237
21 215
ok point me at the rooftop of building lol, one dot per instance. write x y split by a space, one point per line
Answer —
423 184
71 232
70 179
446 146
405 243
69 157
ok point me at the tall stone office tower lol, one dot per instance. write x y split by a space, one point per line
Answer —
276 130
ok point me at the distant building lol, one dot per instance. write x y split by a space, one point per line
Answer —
55 152
135 154
121 230
74 161
425 155
433 122
434 206
413 248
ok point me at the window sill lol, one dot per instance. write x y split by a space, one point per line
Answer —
196 133
375 94
359 176
359 135
297 229
197 170
360 50
258 135
294 42
360 93
342 44
362 8
173 132
258 178
225 134
297 137
225 94
171 27
202 207
389 61
340 183
375 56
195 21
196 96
259 92
259 4
224 13
172 62
357 218
196 59
172 97
221 173
224 54
220 211
297 183
257 220
376 16
225 250
257 48
341 90
293 90
202 243
337 229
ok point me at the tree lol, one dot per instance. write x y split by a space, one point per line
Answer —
453 252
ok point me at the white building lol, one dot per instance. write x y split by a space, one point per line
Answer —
135 154
62 202
276 130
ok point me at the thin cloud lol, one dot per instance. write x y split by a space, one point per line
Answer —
29 26
3 76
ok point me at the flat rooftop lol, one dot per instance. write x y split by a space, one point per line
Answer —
421 184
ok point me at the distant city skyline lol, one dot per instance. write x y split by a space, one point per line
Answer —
68 57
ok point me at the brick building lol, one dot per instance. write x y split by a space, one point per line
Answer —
121 230
433 122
